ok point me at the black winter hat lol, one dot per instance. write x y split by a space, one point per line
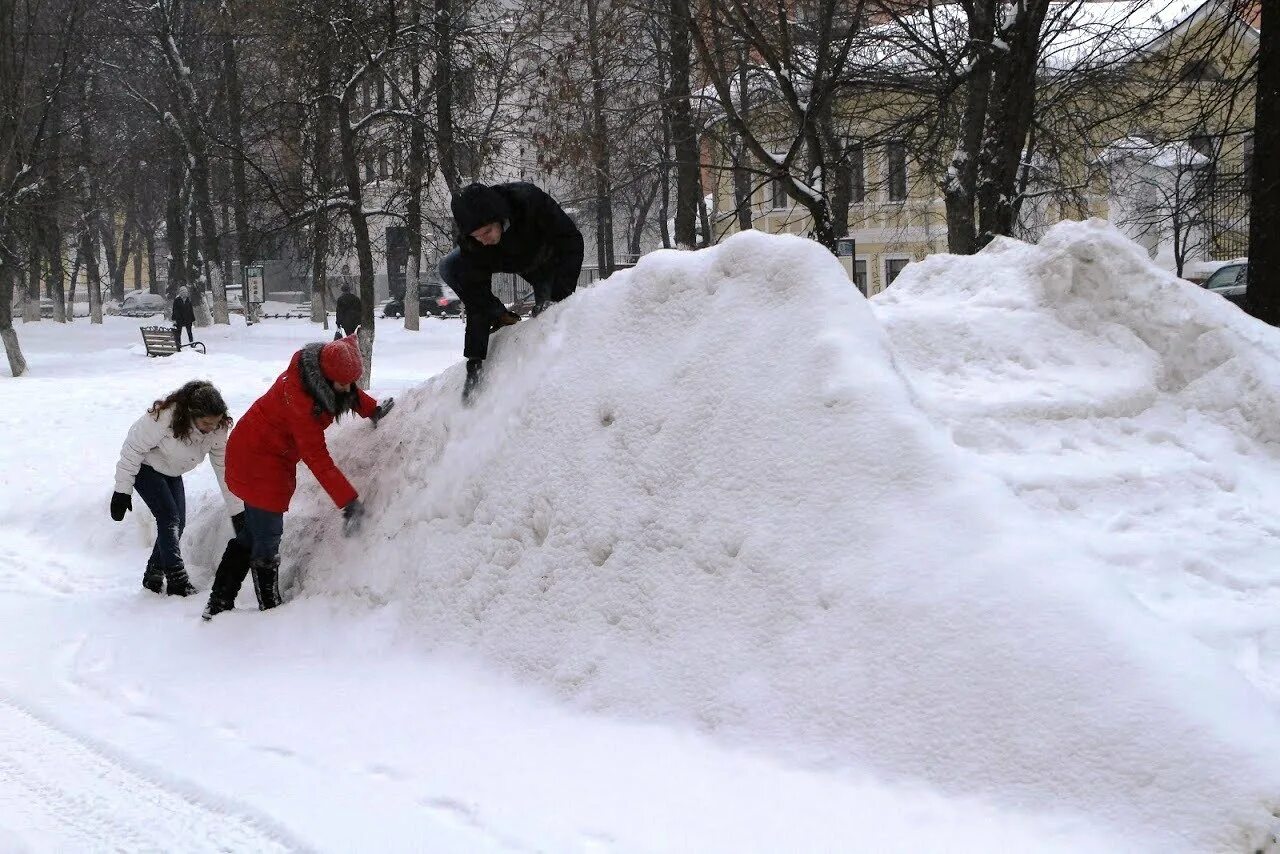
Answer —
477 205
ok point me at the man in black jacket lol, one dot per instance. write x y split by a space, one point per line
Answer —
348 311
184 315
507 228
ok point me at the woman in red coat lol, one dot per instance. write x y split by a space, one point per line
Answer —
284 426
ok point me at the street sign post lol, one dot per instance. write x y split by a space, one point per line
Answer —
253 290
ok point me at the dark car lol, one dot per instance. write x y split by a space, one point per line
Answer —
432 300
1230 282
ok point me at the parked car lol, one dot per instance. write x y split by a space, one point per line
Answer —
138 304
433 299
524 304
1230 282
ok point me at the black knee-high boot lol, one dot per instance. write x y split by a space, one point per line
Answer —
266 582
232 569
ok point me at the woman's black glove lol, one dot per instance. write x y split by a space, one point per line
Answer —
237 522
380 411
120 504
352 518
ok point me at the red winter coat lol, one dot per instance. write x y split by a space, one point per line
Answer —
280 429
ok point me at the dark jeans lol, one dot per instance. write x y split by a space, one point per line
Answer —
473 284
177 334
261 533
166 498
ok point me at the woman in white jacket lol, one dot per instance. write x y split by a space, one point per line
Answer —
174 437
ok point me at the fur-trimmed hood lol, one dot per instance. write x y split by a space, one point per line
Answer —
314 381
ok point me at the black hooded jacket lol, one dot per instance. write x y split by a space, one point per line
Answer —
184 313
348 311
537 235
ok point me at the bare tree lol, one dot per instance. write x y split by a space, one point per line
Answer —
1264 211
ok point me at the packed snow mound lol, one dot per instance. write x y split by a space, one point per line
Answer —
704 492
1137 413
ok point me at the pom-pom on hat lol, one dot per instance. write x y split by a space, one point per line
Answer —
340 360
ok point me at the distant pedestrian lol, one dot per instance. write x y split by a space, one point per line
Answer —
507 228
172 438
184 315
286 425
348 313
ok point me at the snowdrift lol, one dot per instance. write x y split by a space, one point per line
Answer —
705 492
1135 412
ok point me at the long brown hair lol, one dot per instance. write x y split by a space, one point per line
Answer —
196 399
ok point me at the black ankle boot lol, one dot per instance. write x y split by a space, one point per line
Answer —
232 569
176 581
266 582
153 577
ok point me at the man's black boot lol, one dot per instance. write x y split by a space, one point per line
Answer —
472 382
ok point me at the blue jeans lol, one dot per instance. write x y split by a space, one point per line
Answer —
261 533
166 498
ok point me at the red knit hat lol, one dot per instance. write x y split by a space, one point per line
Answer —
340 360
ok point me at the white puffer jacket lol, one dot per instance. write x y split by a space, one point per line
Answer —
151 441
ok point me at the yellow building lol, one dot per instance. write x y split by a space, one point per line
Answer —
1176 161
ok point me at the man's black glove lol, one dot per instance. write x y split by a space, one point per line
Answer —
380 411
120 504
237 522
352 518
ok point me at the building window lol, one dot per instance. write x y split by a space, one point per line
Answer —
397 163
780 197
1200 71
1246 155
1202 143
858 175
860 274
368 167
382 165
892 267
896 154
382 92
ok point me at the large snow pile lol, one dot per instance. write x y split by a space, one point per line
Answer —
1138 414
704 492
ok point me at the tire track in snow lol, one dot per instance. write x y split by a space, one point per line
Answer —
59 792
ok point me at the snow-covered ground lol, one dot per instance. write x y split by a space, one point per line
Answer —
986 563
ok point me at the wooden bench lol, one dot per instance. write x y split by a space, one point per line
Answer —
161 341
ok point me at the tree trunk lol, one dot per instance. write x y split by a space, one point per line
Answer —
189 118
71 284
360 229
322 159
12 349
57 273
684 135
600 144
246 244
959 185
1263 296
446 153
741 156
417 153
93 273
153 284
31 303
212 252
175 223
1013 99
